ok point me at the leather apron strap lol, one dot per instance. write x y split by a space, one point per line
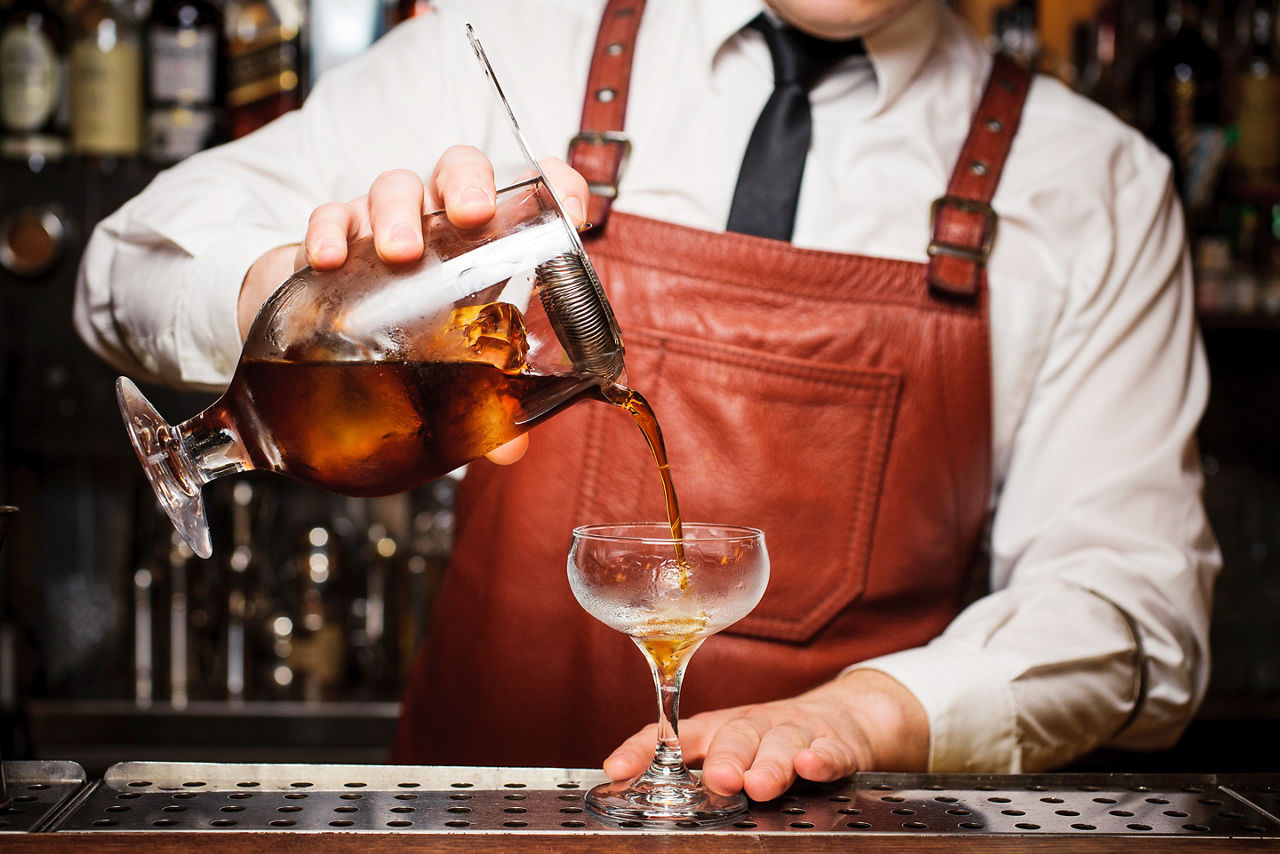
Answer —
963 222
599 152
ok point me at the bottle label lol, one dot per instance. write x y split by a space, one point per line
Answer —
266 67
183 65
106 98
1258 149
30 80
173 134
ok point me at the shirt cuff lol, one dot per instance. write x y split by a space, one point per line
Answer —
969 704
207 331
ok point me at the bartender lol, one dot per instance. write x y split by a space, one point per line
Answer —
898 390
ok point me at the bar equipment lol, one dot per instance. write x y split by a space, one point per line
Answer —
370 380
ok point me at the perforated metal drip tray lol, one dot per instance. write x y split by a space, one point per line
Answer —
38 790
189 797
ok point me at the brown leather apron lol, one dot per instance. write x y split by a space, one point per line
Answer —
841 403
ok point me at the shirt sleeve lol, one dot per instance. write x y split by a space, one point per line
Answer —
159 281
1102 559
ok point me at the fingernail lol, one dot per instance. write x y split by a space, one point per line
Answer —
573 208
327 250
475 197
404 234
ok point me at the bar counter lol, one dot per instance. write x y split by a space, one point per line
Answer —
157 806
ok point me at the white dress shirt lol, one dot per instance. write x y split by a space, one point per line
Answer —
1102 561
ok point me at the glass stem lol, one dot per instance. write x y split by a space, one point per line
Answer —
213 445
668 757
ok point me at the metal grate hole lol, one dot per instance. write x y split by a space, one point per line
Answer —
399 822
343 822
293 796
302 784
515 824
222 822
406 797
350 796
249 784
408 785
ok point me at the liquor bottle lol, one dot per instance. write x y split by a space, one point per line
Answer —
264 61
1257 111
33 49
1095 48
1184 82
184 48
106 82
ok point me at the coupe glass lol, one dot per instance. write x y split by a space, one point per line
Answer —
668 595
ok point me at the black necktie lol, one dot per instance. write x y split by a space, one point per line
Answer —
764 202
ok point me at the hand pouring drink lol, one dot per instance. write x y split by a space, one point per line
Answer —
370 380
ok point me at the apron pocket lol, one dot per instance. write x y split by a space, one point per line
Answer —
794 447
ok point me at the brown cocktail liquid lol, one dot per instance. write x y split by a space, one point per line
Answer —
367 428
632 401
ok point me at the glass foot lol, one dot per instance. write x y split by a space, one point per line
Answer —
170 470
643 802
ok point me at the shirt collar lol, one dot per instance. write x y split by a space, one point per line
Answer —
897 50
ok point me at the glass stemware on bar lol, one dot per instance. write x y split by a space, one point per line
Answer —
668 596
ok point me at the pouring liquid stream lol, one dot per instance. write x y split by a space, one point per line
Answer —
634 403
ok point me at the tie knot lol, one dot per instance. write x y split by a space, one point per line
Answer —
799 57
